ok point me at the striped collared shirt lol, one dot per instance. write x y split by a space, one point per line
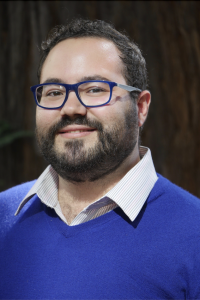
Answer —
130 193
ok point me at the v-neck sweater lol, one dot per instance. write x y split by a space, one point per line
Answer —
157 256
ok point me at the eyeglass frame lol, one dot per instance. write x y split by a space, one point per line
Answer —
74 87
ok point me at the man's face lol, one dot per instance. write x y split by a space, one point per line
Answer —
86 143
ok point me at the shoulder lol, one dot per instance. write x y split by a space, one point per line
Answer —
15 195
174 206
166 188
9 202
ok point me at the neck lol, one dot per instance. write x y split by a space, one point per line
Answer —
74 197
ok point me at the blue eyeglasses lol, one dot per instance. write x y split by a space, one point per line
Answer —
92 93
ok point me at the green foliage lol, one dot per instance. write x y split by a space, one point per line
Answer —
9 135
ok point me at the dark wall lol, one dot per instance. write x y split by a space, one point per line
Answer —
168 34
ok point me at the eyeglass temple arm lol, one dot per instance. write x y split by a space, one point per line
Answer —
128 88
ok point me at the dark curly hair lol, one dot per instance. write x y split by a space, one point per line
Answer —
134 63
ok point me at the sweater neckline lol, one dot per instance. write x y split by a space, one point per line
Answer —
58 225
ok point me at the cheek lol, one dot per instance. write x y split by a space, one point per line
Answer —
45 118
102 114
108 114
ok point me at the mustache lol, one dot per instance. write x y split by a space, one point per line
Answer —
65 121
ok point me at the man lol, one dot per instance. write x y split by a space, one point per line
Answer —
99 223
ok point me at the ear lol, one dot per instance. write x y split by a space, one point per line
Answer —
143 104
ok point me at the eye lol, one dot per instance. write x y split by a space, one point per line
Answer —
54 93
95 90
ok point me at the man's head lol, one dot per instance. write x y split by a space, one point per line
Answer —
88 143
134 65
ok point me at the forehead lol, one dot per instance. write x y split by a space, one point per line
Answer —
79 57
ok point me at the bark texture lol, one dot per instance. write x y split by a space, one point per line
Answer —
168 34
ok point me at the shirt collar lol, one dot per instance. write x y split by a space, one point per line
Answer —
133 189
130 193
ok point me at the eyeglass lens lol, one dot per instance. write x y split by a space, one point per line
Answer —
90 93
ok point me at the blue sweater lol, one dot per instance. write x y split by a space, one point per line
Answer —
157 256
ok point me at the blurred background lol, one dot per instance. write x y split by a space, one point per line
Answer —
168 34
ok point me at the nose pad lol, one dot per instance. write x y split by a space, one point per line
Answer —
72 105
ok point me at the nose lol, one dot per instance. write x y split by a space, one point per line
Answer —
73 106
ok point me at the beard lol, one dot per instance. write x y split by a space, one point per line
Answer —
77 164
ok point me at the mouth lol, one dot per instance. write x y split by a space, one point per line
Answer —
74 132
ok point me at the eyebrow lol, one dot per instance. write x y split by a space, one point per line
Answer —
94 77
53 80
85 78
